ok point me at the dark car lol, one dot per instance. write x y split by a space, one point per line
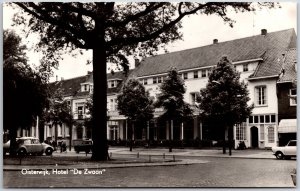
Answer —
82 145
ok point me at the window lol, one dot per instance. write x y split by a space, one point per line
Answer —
80 110
271 134
241 131
273 118
292 143
255 119
261 96
185 76
154 80
91 88
194 96
112 84
267 119
145 82
262 132
251 119
293 97
195 74
159 79
262 119
112 104
245 67
203 73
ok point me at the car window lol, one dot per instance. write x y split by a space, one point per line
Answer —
27 141
35 141
292 143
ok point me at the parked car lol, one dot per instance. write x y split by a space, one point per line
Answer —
286 152
82 145
29 145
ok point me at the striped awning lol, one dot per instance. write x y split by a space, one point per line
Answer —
287 126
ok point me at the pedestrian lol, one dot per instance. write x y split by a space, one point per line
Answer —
63 147
54 144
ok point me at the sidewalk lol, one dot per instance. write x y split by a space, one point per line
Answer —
248 153
140 157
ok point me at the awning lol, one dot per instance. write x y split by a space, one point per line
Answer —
287 126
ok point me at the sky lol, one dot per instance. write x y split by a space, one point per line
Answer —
198 30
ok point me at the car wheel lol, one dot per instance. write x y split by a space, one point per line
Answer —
279 155
22 152
48 151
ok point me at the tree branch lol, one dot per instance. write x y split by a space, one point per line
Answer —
152 7
134 40
44 16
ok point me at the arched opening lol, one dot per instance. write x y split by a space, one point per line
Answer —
254 137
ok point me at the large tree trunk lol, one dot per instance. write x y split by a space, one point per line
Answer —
99 119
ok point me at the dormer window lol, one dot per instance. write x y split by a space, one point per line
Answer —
245 68
85 87
113 83
159 79
145 81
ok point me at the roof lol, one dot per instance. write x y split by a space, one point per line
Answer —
268 47
69 87
290 62
72 87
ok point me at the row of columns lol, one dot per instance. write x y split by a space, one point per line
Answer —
169 131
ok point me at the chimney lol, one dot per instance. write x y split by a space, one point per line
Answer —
215 41
56 77
136 62
62 79
264 32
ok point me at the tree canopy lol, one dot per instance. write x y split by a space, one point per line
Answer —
224 101
225 97
171 98
113 31
134 102
59 111
24 92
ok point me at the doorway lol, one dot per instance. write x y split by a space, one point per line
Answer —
254 137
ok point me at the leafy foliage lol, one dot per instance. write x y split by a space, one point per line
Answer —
59 111
134 102
172 98
24 92
225 98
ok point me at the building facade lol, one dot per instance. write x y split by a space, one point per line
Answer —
258 59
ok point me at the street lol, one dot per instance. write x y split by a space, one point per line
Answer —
217 172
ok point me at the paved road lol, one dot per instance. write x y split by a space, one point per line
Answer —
217 172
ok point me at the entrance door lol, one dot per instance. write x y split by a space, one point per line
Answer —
254 137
